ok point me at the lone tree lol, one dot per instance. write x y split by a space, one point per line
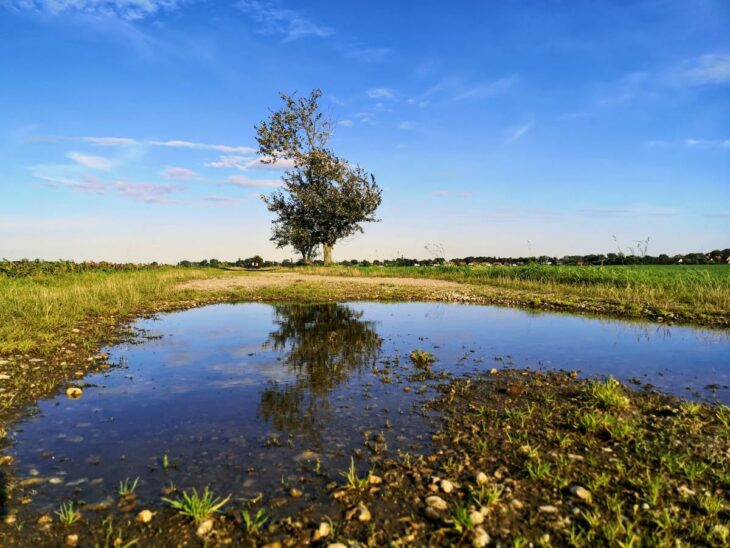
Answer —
324 197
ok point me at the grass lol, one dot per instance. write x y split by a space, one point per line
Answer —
127 487
675 290
607 393
353 480
196 506
68 514
254 522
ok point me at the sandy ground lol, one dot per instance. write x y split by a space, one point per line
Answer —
278 279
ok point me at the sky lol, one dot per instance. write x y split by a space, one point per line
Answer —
494 128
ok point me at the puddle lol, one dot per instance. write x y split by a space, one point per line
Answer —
245 397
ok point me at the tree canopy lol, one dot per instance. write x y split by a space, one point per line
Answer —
324 198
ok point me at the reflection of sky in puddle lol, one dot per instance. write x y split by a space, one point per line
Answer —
223 379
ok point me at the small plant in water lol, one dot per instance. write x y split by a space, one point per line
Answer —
353 480
127 487
68 514
254 522
198 507
422 359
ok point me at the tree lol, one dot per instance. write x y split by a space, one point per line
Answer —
324 198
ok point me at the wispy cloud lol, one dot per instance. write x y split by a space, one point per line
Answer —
518 132
286 22
247 182
181 174
140 192
457 88
719 215
244 163
93 162
203 146
407 125
346 123
220 198
602 212
711 68
487 89
109 141
444 193
125 9
380 93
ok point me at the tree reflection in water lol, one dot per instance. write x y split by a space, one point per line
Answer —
323 346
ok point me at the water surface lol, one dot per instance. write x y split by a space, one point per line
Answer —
246 397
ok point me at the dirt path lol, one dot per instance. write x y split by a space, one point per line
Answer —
279 279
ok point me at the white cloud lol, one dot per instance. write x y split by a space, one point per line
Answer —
275 20
707 143
244 181
220 198
407 125
518 132
181 174
346 123
380 93
203 146
244 163
711 68
487 89
93 162
125 9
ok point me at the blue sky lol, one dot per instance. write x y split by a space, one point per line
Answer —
494 128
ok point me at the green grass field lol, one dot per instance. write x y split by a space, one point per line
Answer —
690 289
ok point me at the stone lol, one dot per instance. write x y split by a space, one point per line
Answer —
44 520
72 540
375 480
204 528
74 393
493 371
295 493
101 506
359 512
446 486
4 377
336 545
145 516
31 481
547 509
482 478
324 530
476 517
645 507
436 502
685 491
580 492
480 538
516 504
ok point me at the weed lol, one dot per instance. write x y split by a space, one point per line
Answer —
254 522
68 514
353 480
608 394
126 487
486 495
538 470
422 359
196 506
460 518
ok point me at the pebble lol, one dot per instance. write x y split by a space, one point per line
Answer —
447 486
581 492
145 516
72 540
645 506
482 478
336 545
547 509
204 528
493 371
55 481
477 518
30 482
74 392
295 493
480 537
44 520
516 504
375 480
685 491
4 377
436 502
322 531
359 512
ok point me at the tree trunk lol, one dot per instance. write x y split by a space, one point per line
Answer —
327 251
